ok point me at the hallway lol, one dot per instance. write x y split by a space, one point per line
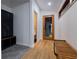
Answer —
47 27
42 50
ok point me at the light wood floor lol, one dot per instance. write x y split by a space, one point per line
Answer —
42 50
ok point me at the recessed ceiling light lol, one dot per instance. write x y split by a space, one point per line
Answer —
49 3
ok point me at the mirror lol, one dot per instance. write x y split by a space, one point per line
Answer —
48 26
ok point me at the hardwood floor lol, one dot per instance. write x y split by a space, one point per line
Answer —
64 50
42 50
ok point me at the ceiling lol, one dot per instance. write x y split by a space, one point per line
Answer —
13 3
55 4
43 4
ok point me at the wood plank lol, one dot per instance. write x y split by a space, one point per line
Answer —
64 50
42 50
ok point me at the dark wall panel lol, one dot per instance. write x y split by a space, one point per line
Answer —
6 24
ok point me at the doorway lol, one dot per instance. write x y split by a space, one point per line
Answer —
35 26
48 27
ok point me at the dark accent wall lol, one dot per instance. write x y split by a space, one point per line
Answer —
6 24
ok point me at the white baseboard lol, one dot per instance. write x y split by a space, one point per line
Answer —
28 45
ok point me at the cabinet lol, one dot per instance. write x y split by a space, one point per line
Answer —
7 42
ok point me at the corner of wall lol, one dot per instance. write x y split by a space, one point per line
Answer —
4 7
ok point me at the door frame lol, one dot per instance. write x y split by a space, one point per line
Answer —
43 26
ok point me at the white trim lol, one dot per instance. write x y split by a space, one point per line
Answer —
31 46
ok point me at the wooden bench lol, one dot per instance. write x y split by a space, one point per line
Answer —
63 50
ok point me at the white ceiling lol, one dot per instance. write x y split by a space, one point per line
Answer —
55 4
43 4
13 3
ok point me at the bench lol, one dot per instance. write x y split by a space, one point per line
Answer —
63 50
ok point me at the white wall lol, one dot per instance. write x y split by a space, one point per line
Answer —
34 7
57 28
68 26
4 7
22 24
47 13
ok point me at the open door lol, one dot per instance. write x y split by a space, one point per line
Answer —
35 27
48 27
